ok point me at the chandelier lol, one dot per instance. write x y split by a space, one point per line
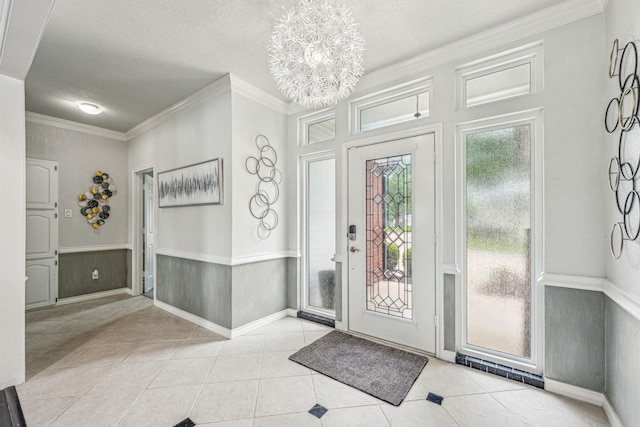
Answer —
316 54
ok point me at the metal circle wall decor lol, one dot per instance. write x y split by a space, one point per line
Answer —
622 114
94 203
261 204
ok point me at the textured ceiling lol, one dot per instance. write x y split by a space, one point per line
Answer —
136 58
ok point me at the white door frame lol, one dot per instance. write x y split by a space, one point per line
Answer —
304 161
535 118
343 243
136 224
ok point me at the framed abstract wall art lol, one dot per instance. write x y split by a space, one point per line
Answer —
198 184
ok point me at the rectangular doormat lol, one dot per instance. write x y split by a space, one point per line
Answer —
379 370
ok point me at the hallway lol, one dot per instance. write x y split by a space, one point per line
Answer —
121 361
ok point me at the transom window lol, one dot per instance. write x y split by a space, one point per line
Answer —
509 75
399 104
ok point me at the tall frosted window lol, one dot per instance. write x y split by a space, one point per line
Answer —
498 252
321 242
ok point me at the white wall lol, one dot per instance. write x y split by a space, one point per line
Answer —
79 156
623 23
573 171
251 119
12 232
195 134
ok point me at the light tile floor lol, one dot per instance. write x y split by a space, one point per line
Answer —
121 361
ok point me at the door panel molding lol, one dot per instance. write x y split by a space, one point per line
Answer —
41 251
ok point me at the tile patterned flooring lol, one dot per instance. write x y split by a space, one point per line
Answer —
121 361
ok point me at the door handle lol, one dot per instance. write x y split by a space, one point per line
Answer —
354 249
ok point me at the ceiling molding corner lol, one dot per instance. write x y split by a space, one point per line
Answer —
527 26
217 88
258 95
74 126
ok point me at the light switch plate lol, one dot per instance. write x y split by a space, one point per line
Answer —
68 213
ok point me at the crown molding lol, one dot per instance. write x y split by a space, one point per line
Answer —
217 88
74 126
258 95
527 26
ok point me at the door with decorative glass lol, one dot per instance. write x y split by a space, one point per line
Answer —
392 241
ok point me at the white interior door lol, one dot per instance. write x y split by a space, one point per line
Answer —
41 233
148 230
392 252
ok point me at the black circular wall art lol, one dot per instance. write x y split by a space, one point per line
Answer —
621 115
94 203
261 204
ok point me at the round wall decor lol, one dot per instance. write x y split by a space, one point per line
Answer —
622 115
261 204
94 203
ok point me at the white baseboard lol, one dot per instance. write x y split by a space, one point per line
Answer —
221 330
244 329
447 356
95 295
584 395
611 413
339 326
574 392
214 327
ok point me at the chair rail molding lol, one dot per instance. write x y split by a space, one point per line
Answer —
597 284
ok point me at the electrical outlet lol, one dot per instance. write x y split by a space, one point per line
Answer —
68 213
95 275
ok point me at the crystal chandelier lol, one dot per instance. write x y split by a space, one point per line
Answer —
316 54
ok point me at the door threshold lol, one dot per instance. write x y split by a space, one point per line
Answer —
500 370
391 344
317 319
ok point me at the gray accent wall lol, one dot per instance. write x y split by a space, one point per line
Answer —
229 296
130 269
575 337
449 315
623 362
292 283
338 292
197 287
74 273
258 290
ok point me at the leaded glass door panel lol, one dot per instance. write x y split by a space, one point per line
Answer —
392 256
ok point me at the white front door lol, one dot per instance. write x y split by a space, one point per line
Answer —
41 233
392 241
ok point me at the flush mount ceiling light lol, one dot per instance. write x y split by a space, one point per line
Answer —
316 54
89 108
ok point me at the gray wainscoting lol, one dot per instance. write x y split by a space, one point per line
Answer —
259 290
197 287
623 362
227 296
74 272
292 283
449 315
575 337
338 292
130 268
